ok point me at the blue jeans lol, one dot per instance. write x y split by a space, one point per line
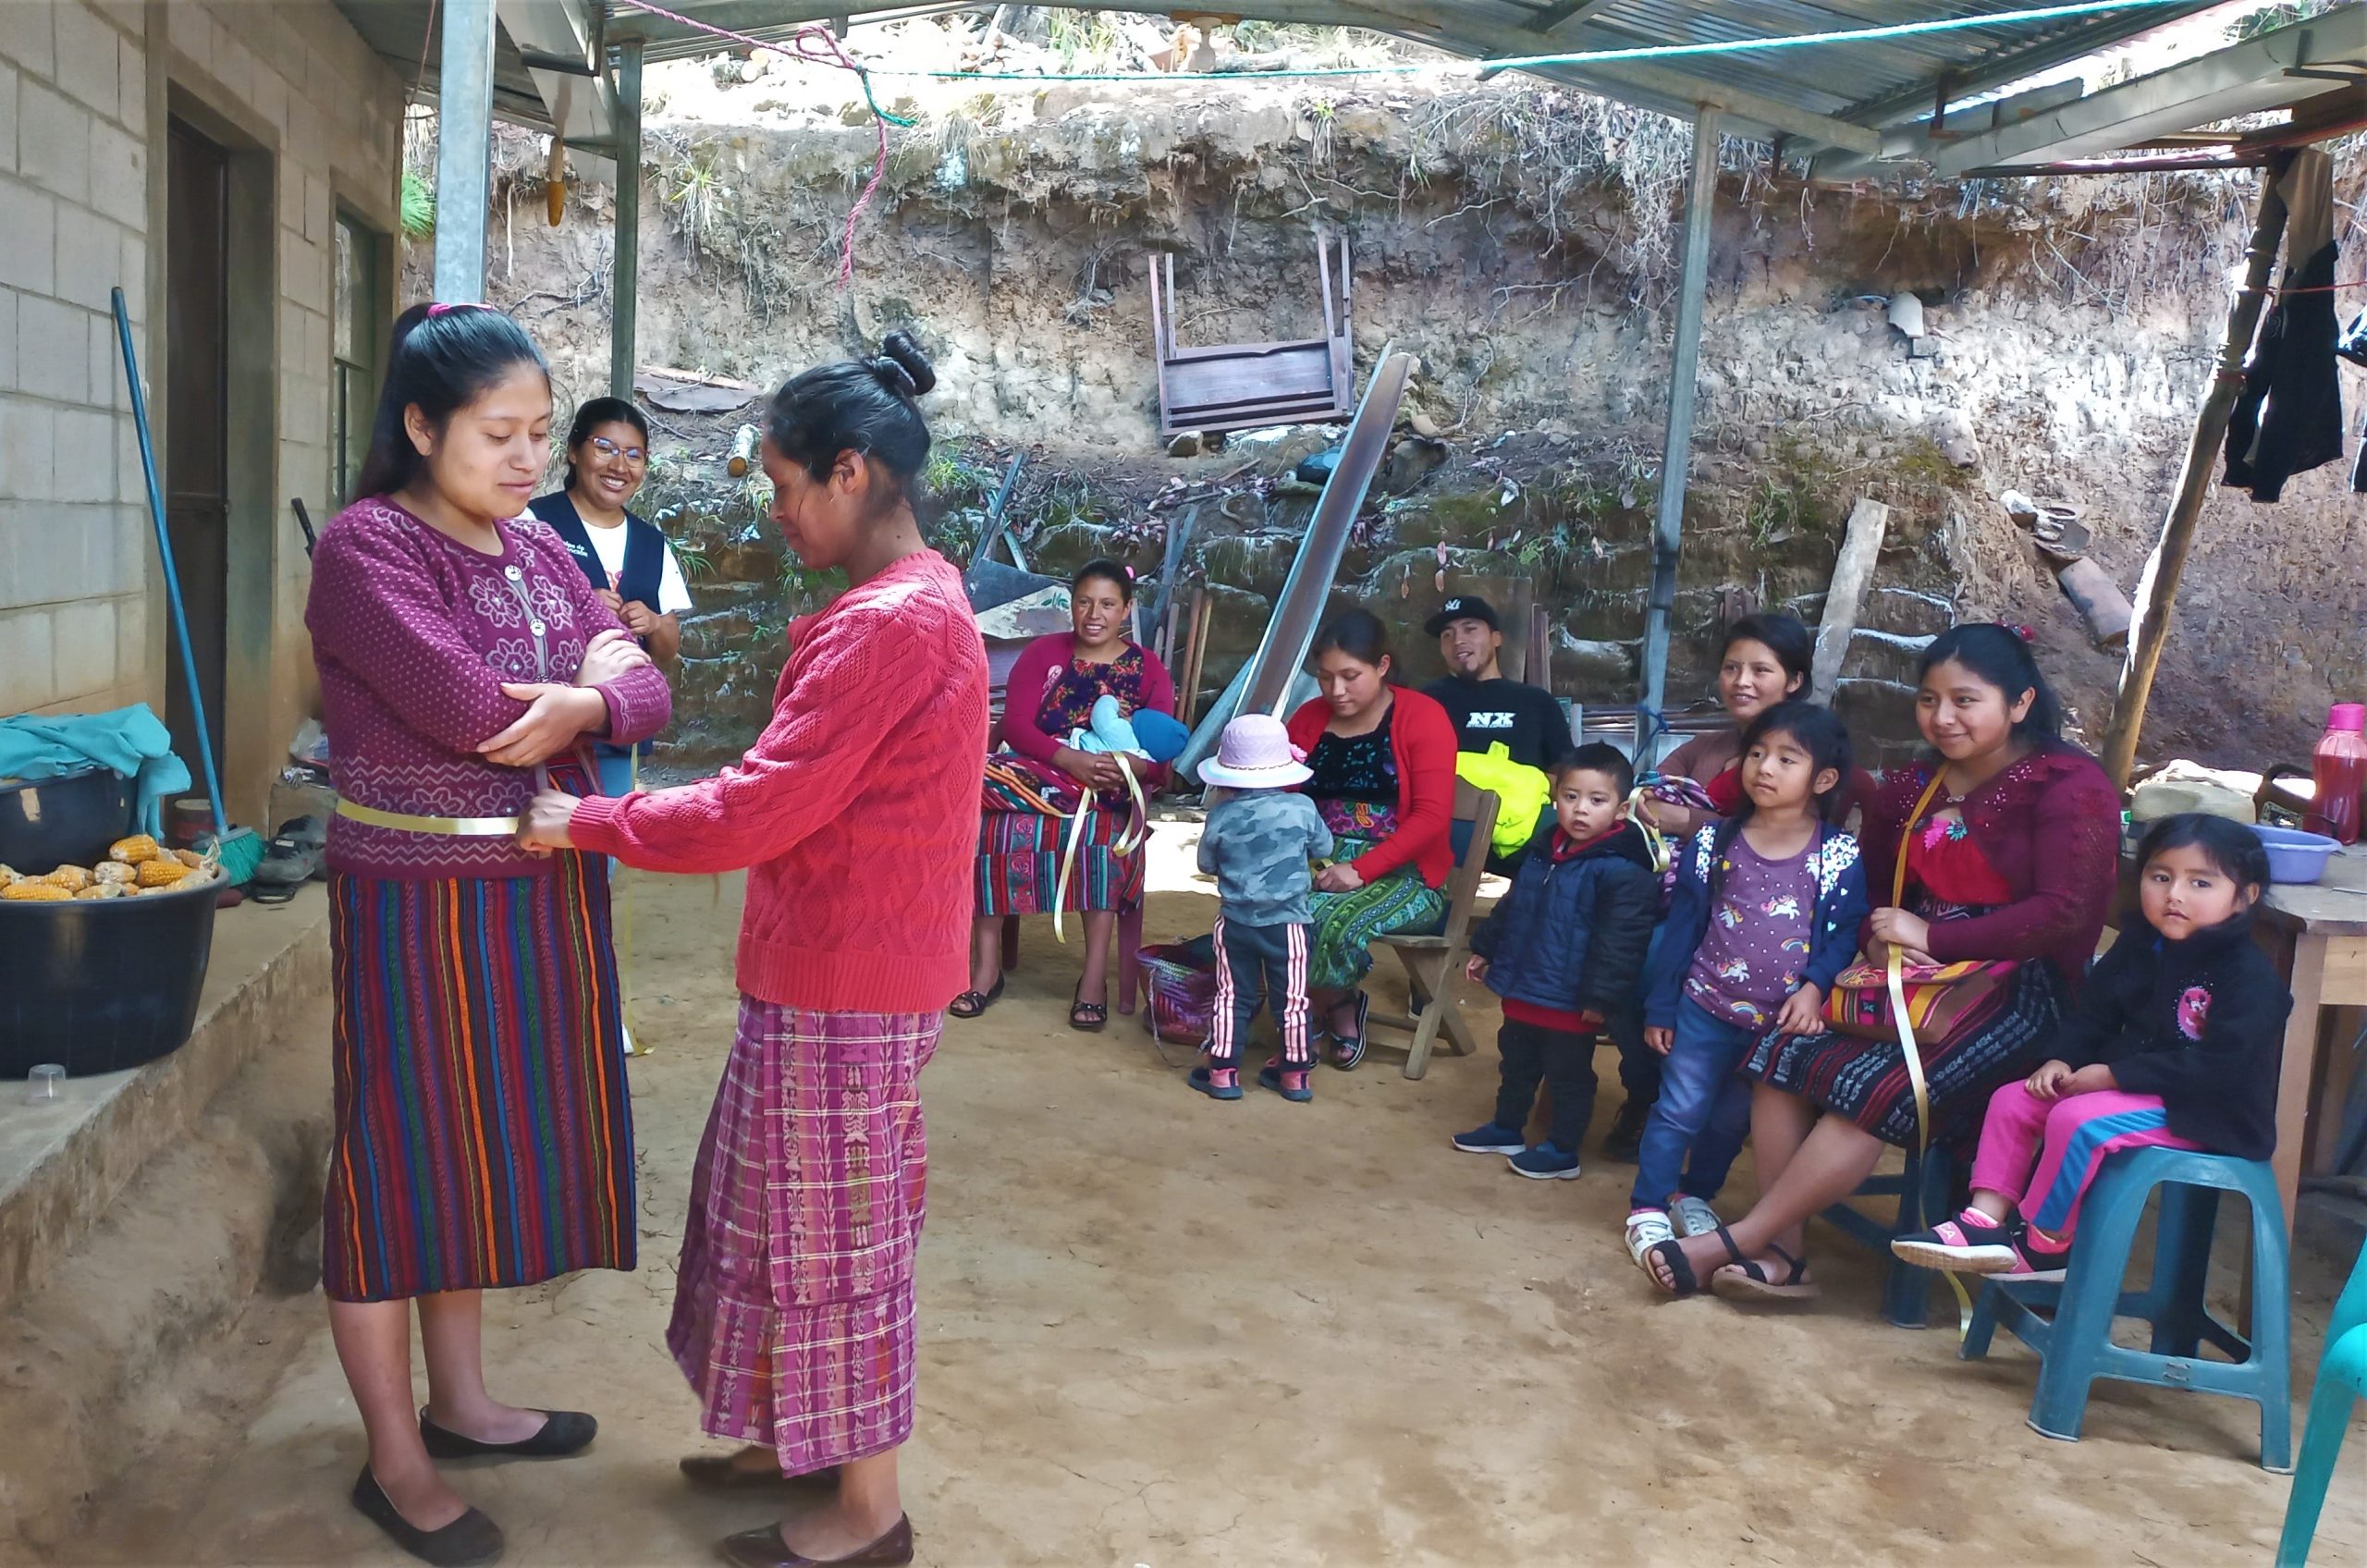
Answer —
614 764
1703 1111
1639 1065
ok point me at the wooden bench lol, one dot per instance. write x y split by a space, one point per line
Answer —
1434 964
1246 386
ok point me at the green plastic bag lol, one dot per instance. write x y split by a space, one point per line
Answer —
1522 794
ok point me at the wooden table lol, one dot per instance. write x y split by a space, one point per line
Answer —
2317 935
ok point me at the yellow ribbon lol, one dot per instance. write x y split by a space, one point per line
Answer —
1907 1044
621 902
1129 838
450 826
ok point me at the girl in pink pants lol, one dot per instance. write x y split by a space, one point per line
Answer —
2174 1044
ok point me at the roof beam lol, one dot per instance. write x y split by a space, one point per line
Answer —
2013 65
1561 14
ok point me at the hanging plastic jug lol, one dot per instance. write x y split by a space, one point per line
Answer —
2338 769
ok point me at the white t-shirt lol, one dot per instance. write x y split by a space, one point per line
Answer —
609 543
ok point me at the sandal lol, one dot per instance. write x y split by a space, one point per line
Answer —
1745 1281
1682 1279
1090 1018
1349 1050
1647 1227
969 1004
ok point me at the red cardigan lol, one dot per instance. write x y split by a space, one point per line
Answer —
1030 676
1423 737
857 808
2049 826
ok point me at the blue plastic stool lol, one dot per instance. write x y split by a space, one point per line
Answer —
2342 1380
1922 1191
2075 1343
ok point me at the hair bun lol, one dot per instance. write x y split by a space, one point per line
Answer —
902 366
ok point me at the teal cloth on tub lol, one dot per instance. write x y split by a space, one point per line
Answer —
130 742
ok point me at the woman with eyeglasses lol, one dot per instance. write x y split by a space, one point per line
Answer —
630 563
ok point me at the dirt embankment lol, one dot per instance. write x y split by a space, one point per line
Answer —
1521 242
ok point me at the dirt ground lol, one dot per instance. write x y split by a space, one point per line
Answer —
1162 1331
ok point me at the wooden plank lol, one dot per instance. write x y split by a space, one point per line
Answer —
2299 1067
1852 573
1291 631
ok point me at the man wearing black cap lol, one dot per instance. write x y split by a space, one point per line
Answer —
1485 706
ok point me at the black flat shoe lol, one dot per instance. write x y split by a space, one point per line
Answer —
564 1432
470 1541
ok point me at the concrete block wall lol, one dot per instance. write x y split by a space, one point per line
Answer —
85 93
74 165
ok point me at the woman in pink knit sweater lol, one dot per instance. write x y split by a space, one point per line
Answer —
857 813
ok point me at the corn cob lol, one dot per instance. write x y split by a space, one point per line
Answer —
162 873
189 858
73 878
132 851
34 893
114 871
102 890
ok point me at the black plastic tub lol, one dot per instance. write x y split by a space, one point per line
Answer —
100 985
47 822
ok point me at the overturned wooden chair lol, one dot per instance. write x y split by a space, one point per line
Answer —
1246 385
1434 964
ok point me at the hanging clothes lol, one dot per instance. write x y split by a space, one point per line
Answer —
2288 418
2353 347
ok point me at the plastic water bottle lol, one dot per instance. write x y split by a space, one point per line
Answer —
2338 769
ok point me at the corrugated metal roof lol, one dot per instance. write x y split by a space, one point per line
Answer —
1838 96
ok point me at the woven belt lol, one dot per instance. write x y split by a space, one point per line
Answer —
450 826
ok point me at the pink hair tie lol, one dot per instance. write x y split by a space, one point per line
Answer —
437 309
1298 753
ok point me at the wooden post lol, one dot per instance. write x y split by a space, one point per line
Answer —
2157 589
1196 653
1851 574
624 296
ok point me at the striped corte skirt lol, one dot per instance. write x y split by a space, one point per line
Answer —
794 1303
1019 864
1347 925
483 1129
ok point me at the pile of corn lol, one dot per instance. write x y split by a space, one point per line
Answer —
134 866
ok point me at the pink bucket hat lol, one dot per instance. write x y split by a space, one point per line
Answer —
1255 754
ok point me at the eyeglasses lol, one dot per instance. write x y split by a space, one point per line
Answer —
608 448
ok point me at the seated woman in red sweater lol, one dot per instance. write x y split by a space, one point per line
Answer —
1049 695
1384 760
793 1303
2009 837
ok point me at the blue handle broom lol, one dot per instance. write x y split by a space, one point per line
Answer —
241 849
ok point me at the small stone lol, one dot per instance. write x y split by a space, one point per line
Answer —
1185 444
1961 450
1922 348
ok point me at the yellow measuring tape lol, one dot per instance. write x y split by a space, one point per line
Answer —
1908 1047
1125 844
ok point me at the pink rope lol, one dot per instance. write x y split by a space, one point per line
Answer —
816 45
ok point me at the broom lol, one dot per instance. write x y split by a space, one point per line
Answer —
240 849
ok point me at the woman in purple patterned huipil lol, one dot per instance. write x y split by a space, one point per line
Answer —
483 1136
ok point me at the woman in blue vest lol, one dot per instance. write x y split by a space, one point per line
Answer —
627 559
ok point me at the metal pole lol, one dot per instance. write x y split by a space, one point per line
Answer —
624 300
463 149
1676 452
2157 587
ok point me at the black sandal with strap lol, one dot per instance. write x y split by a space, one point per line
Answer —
1090 1018
969 1004
1682 1279
1744 1279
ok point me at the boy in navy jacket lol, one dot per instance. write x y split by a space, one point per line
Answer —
1562 950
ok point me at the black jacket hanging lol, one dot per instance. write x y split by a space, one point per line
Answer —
2287 420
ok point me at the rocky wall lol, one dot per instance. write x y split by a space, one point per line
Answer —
1519 243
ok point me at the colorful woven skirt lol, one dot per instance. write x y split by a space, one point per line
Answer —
1866 1080
1019 864
1347 924
793 1303
483 1129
